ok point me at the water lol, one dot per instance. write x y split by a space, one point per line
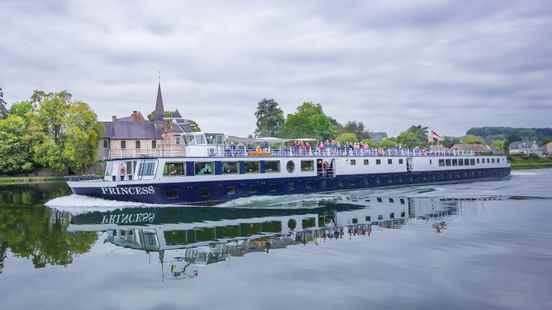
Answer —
483 245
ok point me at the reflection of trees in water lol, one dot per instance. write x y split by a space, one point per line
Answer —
28 232
31 194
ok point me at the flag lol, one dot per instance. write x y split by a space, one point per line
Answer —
435 136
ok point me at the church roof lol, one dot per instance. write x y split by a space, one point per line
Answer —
159 108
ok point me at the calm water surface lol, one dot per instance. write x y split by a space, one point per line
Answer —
484 245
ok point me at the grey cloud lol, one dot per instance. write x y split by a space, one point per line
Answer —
387 64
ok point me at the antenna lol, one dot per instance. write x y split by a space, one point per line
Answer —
159 76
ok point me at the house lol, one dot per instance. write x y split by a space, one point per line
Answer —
547 148
3 104
136 136
472 148
525 148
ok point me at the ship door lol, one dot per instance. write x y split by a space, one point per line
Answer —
409 164
325 167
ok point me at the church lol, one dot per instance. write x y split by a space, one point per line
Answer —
159 134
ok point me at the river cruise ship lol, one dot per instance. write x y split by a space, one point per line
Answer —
215 170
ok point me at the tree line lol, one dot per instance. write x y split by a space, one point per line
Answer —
49 130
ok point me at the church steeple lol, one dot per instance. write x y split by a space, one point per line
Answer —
159 109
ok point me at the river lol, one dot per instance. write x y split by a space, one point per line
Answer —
480 245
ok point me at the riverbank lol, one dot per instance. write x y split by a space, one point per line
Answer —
520 163
41 179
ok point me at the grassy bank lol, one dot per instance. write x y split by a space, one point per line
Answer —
530 162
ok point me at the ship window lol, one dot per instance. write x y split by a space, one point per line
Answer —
401 161
455 162
272 166
391 200
441 162
380 217
204 168
402 201
230 167
307 165
403 214
492 160
466 161
147 168
355 220
472 161
352 162
389 161
460 162
488 160
290 166
392 215
448 162
137 144
378 161
431 161
366 162
478 161
251 166
123 144
379 199
174 169
368 219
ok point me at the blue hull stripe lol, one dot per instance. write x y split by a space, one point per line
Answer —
220 191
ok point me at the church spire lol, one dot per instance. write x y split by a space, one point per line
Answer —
159 109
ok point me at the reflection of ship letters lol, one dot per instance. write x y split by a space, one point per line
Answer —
128 218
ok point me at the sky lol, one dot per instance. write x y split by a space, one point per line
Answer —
449 65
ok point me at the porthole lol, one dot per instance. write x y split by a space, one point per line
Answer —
290 166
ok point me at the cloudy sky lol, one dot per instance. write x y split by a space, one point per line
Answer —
449 65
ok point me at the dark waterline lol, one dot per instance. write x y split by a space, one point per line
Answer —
483 245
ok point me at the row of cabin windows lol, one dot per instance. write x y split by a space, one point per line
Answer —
137 145
352 162
467 161
232 167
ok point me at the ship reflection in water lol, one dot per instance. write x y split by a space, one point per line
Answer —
185 238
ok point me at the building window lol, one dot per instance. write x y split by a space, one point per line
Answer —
307 165
366 162
106 143
137 144
272 166
177 139
123 144
378 161
154 144
290 166
251 166
353 162
230 167
204 168
174 169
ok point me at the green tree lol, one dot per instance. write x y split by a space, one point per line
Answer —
346 137
368 141
415 136
388 142
66 133
310 121
471 139
21 109
15 145
270 118
498 144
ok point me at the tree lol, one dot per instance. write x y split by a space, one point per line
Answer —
270 118
388 143
66 133
471 139
309 121
498 144
15 145
21 109
357 128
415 136
346 137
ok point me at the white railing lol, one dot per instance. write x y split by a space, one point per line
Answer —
230 151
